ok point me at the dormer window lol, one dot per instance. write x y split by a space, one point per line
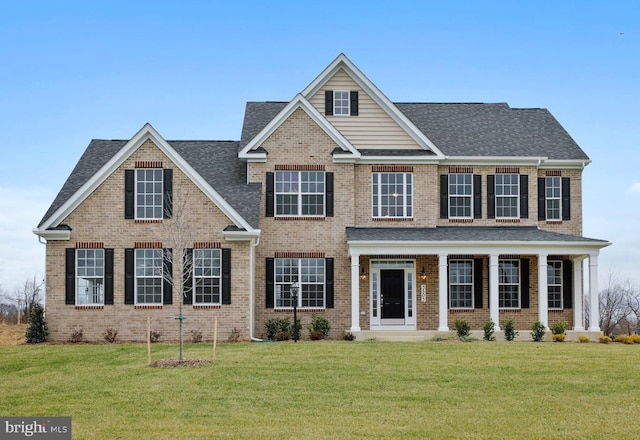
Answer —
341 102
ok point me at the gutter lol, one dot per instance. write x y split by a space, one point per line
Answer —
252 258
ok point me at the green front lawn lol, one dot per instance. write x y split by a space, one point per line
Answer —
331 390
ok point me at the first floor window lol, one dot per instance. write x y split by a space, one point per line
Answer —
392 195
309 273
148 270
554 284
507 195
461 284
207 270
509 284
553 197
90 276
460 195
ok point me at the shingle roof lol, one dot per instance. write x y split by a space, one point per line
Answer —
466 234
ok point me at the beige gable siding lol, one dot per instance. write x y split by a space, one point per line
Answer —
373 127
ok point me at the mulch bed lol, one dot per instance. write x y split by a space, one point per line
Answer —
173 362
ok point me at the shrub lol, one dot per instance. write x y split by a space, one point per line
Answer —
316 335
110 334
559 337
583 338
76 336
348 336
510 332
635 338
155 335
620 338
282 336
559 328
463 329
234 336
489 328
280 325
537 331
196 336
604 339
38 331
319 325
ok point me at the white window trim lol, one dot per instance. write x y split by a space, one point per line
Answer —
462 284
517 197
138 170
348 108
136 278
546 199
470 197
195 278
102 294
549 285
519 284
298 278
376 195
300 195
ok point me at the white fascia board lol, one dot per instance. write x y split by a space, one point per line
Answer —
342 62
400 160
577 164
53 234
147 132
298 101
242 235
494 160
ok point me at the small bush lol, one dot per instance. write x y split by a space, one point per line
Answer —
277 325
38 331
635 338
621 339
348 336
155 335
559 328
583 338
489 329
319 325
604 339
234 336
110 334
196 336
315 335
282 336
559 337
463 329
510 332
537 331
76 336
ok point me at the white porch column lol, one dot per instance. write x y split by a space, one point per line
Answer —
355 292
594 309
494 311
543 293
578 296
443 325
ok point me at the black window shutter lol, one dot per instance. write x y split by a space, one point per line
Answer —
566 199
329 194
542 198
270 288
444 196
129 276
108 276
328 102
70 276
477 283
226 275
477 196
187 276
168 192
129 193
329 282
353 101
491 196
567 284
167 276
270 199
524 196
524 283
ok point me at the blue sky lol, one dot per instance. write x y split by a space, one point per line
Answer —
73 71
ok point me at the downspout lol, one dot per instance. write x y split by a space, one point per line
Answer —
252 259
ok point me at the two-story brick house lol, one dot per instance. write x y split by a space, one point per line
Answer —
395 219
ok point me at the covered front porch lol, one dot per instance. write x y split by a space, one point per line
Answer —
413 283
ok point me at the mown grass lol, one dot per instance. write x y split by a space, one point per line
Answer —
338 390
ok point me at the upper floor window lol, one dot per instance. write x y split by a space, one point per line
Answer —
309 273
300 193
90 276
553 197
461 284
341 102
392 195
509 284
554 284
460 195
148 193
148 276
207 272
507 193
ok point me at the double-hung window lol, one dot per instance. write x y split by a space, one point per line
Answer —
149 193
300 193
90 276
341 103
509 284
460 195
507 195
148 276
309 273
553 197
207 271
554 284
461 284
392 195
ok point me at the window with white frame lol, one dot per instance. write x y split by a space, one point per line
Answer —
460 195
341 103
300 193
309 273
553 197
392 195
507 195
461 284
554 284
149 193
148 269
207 270
90 276
509 284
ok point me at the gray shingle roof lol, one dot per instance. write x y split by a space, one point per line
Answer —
466 234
